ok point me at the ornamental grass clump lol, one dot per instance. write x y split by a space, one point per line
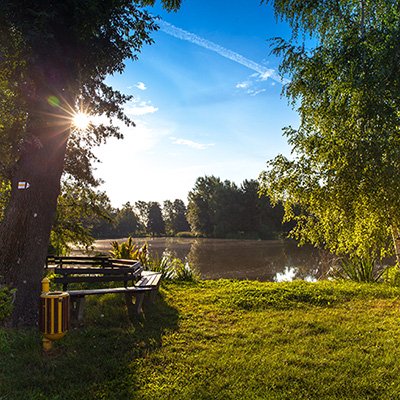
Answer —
358 269
172 267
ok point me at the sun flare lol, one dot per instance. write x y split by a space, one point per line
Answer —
81 121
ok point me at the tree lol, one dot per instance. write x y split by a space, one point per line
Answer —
201 207
127 222
220 209
258 217
65 51
155 223
174 214
345 170
142 211
77 204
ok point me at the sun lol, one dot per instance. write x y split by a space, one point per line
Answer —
81 121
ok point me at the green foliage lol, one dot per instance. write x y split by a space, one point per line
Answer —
221 209
171 267
6 302
76 205
155 222
343 177
5 190
174 214
129 251
391 275
358 270
188 235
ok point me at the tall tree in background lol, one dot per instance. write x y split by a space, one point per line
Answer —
155 222
220 209
54 59
174 214
345 169
126 221
201 207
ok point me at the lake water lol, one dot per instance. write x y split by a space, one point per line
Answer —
266 260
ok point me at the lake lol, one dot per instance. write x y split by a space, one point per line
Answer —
264 260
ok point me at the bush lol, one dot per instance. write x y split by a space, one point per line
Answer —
189 234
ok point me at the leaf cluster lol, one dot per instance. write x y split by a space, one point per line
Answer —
69 48
345 170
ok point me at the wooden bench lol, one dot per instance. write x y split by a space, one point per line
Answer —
81 269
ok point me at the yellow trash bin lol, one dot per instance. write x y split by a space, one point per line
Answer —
53 315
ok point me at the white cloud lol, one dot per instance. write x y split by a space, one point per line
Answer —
243 85
252 92
191 143
141 86
140 108
269 73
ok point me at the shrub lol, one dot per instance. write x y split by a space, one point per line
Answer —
189 234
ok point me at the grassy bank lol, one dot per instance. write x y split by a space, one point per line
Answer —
220 340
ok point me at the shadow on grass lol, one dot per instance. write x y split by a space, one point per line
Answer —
94 361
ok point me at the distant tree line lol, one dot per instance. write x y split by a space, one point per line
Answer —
221 209
216 208
141 219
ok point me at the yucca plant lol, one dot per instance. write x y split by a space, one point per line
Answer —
172 268
130 251
358 270
127 250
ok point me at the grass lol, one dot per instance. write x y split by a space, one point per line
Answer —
220 340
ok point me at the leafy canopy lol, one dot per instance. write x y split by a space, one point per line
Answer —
67 49
344 172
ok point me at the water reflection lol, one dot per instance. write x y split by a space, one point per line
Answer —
242 259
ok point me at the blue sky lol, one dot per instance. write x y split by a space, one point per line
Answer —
207 102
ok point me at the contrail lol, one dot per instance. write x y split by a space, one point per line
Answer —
222 51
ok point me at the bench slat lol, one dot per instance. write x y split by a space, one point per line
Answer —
88 292
149 280
99 270
91 278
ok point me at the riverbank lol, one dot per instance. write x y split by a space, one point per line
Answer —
220 340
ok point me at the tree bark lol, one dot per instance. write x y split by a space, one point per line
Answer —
25 229
396 243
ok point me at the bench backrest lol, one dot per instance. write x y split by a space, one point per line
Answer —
94 269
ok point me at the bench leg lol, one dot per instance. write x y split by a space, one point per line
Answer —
78 306
137 307
153 295
139 297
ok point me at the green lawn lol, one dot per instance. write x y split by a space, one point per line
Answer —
220 340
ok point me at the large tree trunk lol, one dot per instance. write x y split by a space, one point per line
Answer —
25 230
396 243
